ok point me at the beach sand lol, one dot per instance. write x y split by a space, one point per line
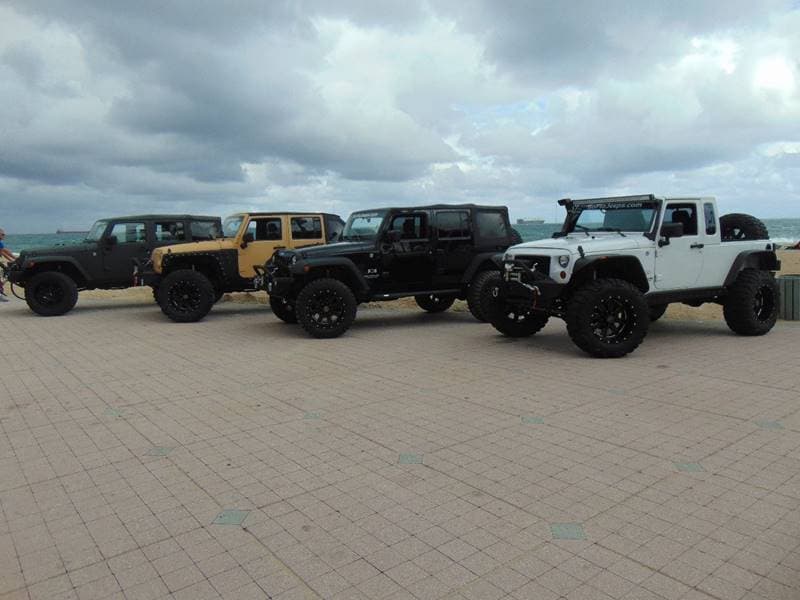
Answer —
790 264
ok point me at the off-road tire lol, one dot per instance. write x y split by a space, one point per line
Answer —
751 305
434 303
218 294
657 311
155 293
326 308
608 318
51 293
283 309
186 296
474 293
737 227
511 321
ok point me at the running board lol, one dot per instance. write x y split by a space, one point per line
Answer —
396 295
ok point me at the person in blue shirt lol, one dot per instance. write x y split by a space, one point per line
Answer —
5 255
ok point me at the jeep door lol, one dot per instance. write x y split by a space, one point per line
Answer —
124 242
268 233
306 230
408 262
454 246
679 263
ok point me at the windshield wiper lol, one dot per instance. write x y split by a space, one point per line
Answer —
583 228
619 231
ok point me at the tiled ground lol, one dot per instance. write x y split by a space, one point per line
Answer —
421 456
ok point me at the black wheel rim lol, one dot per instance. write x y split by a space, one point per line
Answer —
48 293
185 296
326 308
433 299
613 320
516 314
764 303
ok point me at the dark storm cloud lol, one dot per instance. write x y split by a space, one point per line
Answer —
347 104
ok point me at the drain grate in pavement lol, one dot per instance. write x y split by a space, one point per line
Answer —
769 424
567 531
688 467
159 451
231 516
532 420
410 459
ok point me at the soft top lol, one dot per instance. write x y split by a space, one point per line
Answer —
433 207
159 217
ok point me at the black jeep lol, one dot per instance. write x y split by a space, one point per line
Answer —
111 256
434 253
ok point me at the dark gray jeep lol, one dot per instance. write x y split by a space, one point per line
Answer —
434 253
111 256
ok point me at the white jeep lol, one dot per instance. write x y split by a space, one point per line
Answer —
618 262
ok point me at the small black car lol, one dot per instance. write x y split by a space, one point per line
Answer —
111 256
434 253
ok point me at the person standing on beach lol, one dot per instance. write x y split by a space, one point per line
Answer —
7 256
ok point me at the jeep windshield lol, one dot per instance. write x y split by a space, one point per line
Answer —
97 231
634 216
363 226
230 226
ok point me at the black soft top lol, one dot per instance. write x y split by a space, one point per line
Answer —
434 207
160 217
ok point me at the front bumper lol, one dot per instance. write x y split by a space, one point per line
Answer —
528 287
15 274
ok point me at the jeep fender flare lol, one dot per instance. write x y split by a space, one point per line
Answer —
625 267
303 267
37 264
765 260
494 259
193 260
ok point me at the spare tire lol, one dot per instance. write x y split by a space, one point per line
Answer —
737 227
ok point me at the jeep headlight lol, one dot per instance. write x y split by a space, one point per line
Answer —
563 261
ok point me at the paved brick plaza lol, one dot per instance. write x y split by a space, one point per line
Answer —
420 456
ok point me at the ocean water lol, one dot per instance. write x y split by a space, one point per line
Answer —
785 231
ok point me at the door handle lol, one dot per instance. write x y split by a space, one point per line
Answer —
697 246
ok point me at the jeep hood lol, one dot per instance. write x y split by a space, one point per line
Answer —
598 243
337 249
63 250
205 246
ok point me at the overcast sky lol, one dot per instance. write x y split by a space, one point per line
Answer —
118 107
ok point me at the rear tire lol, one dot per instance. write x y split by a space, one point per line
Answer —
657 311
608 318
326 308
474 293
51 294
186 296
434 303
737 227
511 321
283 309
751 306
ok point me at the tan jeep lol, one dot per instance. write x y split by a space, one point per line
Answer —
190 278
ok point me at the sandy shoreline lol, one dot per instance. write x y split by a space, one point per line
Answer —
790 264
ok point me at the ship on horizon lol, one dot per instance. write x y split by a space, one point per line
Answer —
530 221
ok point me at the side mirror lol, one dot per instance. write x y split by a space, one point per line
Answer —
393 236
670 230
248 238
111 241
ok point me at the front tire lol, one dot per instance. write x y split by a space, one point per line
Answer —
51 294
511 320
476 288
751 306
608 318
186 296
434 303
283 309
326 308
